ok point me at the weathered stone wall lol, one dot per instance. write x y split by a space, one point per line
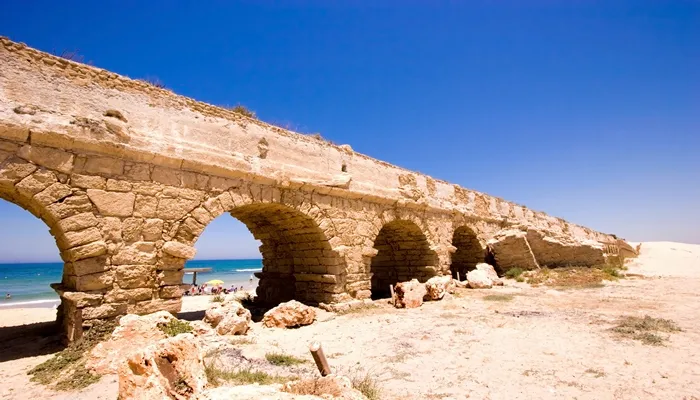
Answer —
127 176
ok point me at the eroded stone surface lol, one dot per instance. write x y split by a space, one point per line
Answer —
479 279
228 317
409 294
171 368
289 315
437 286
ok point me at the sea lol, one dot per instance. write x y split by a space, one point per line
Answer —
28 284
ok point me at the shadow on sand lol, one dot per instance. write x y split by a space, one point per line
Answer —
29 340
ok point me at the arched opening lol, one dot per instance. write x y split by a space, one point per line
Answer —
469 252
403 254
226 252
298 262
29 261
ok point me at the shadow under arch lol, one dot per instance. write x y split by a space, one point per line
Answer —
403 254
469 252
298 261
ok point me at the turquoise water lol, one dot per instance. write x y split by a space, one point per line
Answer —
29 283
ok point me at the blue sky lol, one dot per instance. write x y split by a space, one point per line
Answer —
587 110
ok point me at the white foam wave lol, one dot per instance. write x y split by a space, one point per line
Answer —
27 303
249 270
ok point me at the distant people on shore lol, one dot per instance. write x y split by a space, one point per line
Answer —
204 289
8 296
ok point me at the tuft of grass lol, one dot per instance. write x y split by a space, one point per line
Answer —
283 360
67 365
154 81
176 327
217 299
514 273
79 378
243 110
241 340
498 297
367 385
644 329
596 372
217 376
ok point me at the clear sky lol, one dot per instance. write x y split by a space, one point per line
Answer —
587 110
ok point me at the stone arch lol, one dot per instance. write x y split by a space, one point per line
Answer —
468 253
298 260
403 253
70 216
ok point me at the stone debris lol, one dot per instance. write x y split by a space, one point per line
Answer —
172 368
409 294
491 273
133 332
228 317
437 286
460 284
289 315
479 279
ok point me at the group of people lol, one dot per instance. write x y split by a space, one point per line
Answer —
205 289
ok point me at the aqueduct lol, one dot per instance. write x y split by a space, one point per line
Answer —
127 175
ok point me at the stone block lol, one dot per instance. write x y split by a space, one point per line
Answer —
118 295
146 307
168 292
174 209
114 204
80 299
179 250
114 185
134 276
142 253
106 310
88 181
85 251
174 277
53 193
86 267
76 238
145 206
152 229
104 165
36 182
78 222
85 283
131 229
55 159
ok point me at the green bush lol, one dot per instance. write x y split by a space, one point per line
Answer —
514 273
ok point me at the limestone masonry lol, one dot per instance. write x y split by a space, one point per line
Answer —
127 176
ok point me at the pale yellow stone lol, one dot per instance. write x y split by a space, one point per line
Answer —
115 204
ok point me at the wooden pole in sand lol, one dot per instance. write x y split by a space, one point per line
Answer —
393 299
458 277
320 358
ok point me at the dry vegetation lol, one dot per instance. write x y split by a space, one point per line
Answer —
175 327
66 369
645 329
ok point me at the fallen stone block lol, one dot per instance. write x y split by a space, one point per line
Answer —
289 315
228 317
479 279
437 286
409 294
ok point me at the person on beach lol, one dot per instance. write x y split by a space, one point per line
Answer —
8 296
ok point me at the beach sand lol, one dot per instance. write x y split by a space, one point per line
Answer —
538 343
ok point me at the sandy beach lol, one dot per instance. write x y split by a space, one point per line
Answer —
533 343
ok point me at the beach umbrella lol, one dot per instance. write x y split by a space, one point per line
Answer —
215 282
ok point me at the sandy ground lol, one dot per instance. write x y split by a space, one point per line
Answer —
542 344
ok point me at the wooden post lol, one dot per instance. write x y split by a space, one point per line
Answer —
194 278
393 299
458 277
319 358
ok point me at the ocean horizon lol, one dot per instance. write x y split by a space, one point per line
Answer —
28 283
